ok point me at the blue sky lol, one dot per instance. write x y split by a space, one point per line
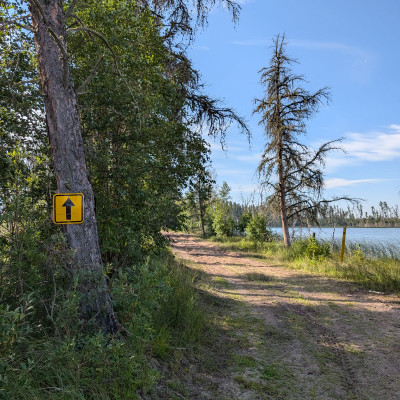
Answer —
350 46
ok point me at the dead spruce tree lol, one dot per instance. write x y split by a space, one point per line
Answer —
289 169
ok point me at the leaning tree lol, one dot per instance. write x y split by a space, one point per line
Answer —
49 22
290 170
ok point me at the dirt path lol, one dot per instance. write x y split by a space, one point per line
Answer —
286 334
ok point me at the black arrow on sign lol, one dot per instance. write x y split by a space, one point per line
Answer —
68 204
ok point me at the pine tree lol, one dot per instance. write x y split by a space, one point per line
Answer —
290 169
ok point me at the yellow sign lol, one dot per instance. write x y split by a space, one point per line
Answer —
68 208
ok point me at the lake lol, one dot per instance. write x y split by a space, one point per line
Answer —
364 236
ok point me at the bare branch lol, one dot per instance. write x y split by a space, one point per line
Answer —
36 80
91 75
105 41
70 10
14 22
216 119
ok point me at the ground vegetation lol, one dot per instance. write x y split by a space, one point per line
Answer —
122 118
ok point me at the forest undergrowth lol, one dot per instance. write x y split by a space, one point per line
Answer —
46 356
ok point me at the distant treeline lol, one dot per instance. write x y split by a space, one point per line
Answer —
330 216
382 216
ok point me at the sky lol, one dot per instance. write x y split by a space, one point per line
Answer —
352 47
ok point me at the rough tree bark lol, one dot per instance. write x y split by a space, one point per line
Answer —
282 196
48 20
281 174
284 218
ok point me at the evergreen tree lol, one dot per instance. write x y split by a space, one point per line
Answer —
223 223
288 168
200 194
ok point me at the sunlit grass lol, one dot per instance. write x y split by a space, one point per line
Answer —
375 266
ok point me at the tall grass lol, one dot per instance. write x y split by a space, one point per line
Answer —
375 266
156 305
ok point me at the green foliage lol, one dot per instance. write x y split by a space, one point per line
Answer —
14 323
317 250
209 221
223 223
310 248
243 221
257 230
140 151
198 200
140 155
358 256
154 302
136 115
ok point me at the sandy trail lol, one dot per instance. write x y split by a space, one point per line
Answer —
325 338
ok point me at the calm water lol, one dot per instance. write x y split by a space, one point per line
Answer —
369 236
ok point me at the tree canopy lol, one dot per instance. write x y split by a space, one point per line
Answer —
142 112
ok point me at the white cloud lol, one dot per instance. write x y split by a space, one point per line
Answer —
340 182
335 162
367 147
395 127
375 146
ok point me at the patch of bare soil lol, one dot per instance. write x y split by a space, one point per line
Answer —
286 334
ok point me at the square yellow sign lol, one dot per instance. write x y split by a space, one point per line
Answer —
68 208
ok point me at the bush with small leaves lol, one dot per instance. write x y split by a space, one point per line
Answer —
257 230
317 250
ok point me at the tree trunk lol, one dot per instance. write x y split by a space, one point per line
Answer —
284 219
201 208
282 196
202 219
69 163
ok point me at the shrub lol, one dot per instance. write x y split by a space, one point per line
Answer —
223 223
257 230
317 250
309 248
243 222
358 256
154 302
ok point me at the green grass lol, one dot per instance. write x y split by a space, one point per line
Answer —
254 276
222 282
376 267
242 362
271 372
159 309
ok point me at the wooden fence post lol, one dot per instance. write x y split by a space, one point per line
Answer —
343 244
